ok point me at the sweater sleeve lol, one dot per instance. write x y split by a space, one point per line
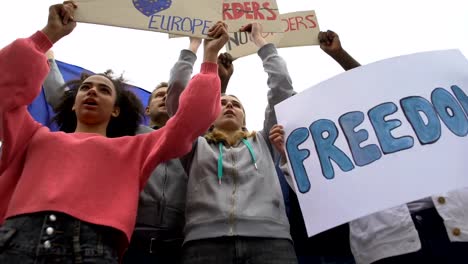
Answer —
180 76
279 82
199 106
24 68
54 85
287 175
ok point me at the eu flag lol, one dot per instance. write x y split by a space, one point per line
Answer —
42 112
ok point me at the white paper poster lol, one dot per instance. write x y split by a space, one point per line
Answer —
378 136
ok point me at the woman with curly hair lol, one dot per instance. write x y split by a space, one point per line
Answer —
125 123
72 197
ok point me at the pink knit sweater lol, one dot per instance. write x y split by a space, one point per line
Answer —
90 177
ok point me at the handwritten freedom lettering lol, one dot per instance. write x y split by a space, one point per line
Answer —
425 117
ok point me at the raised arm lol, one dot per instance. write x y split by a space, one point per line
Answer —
54 84
225 70
182 70
180 75
279 81
199 106
24 67
331 44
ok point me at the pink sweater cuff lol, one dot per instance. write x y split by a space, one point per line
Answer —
209 67
42 41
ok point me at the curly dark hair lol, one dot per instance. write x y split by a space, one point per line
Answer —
126 124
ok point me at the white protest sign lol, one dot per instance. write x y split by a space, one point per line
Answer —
182 17
238 13
300 29
378 136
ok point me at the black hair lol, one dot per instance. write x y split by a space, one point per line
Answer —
126 124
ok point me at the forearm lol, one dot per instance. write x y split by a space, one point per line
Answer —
279 82
345 60
224 85
179 78
24 68
200 105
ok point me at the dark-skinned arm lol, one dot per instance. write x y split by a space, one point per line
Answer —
330 43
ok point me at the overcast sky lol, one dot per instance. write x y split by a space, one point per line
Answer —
369 31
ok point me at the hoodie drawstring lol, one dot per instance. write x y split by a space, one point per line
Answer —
220 158
220 163
252 153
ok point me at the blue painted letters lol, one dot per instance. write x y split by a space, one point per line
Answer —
325 133
424 117
367 154
412 107
383 129
450 112
297 157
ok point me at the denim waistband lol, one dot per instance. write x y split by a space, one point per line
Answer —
58 234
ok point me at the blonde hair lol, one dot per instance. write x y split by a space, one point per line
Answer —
216 136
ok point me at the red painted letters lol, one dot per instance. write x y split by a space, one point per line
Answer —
299 22
250 10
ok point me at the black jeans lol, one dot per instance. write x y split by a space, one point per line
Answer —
42 238
436 248
152 246
329 247
168 254
239 250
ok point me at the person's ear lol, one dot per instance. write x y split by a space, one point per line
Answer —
147 111
116 111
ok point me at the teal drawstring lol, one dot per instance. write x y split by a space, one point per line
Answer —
220 163
252 154
220 158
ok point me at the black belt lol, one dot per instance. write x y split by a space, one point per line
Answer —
156 242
